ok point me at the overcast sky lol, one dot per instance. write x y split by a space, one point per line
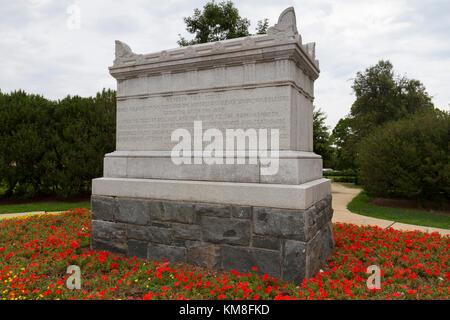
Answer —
44 50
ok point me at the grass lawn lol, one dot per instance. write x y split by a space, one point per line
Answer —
360 205
35 252
48 207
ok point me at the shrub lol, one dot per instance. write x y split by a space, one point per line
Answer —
54 147
408 159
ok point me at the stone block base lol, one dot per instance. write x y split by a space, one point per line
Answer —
290 244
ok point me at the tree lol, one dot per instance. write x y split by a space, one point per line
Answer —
262 27
51 147
341 138
85 131
381 97
218 21
321 138
25 132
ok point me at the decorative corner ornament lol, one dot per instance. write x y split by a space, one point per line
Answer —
123 51
311 49
287 24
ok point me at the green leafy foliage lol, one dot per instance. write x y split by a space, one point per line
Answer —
53 147
343 173
321 138
341 137
381 96
347 176
409 159
25 131
218 21
262 27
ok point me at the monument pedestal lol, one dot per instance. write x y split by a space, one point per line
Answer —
219 225
219 216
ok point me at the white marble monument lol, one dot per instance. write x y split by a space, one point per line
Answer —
212 214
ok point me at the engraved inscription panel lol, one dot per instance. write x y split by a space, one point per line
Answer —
146 124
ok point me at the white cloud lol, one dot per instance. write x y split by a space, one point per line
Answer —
41 55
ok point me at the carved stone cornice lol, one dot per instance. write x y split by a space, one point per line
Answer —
281 40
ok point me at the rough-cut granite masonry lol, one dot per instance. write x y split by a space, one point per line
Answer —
288 244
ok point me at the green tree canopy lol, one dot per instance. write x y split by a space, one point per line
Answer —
262 27
54 147
321 138
218 21
381 97
341 139
25 132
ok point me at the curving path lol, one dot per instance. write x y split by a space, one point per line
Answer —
343 195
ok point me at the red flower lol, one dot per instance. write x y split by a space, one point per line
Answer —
148 296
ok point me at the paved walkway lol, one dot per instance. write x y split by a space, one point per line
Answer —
343 195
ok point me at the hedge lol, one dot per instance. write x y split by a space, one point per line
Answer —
343 173
345 179
54 147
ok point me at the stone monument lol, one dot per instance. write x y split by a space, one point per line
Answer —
218 216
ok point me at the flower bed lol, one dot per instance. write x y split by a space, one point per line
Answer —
35 252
